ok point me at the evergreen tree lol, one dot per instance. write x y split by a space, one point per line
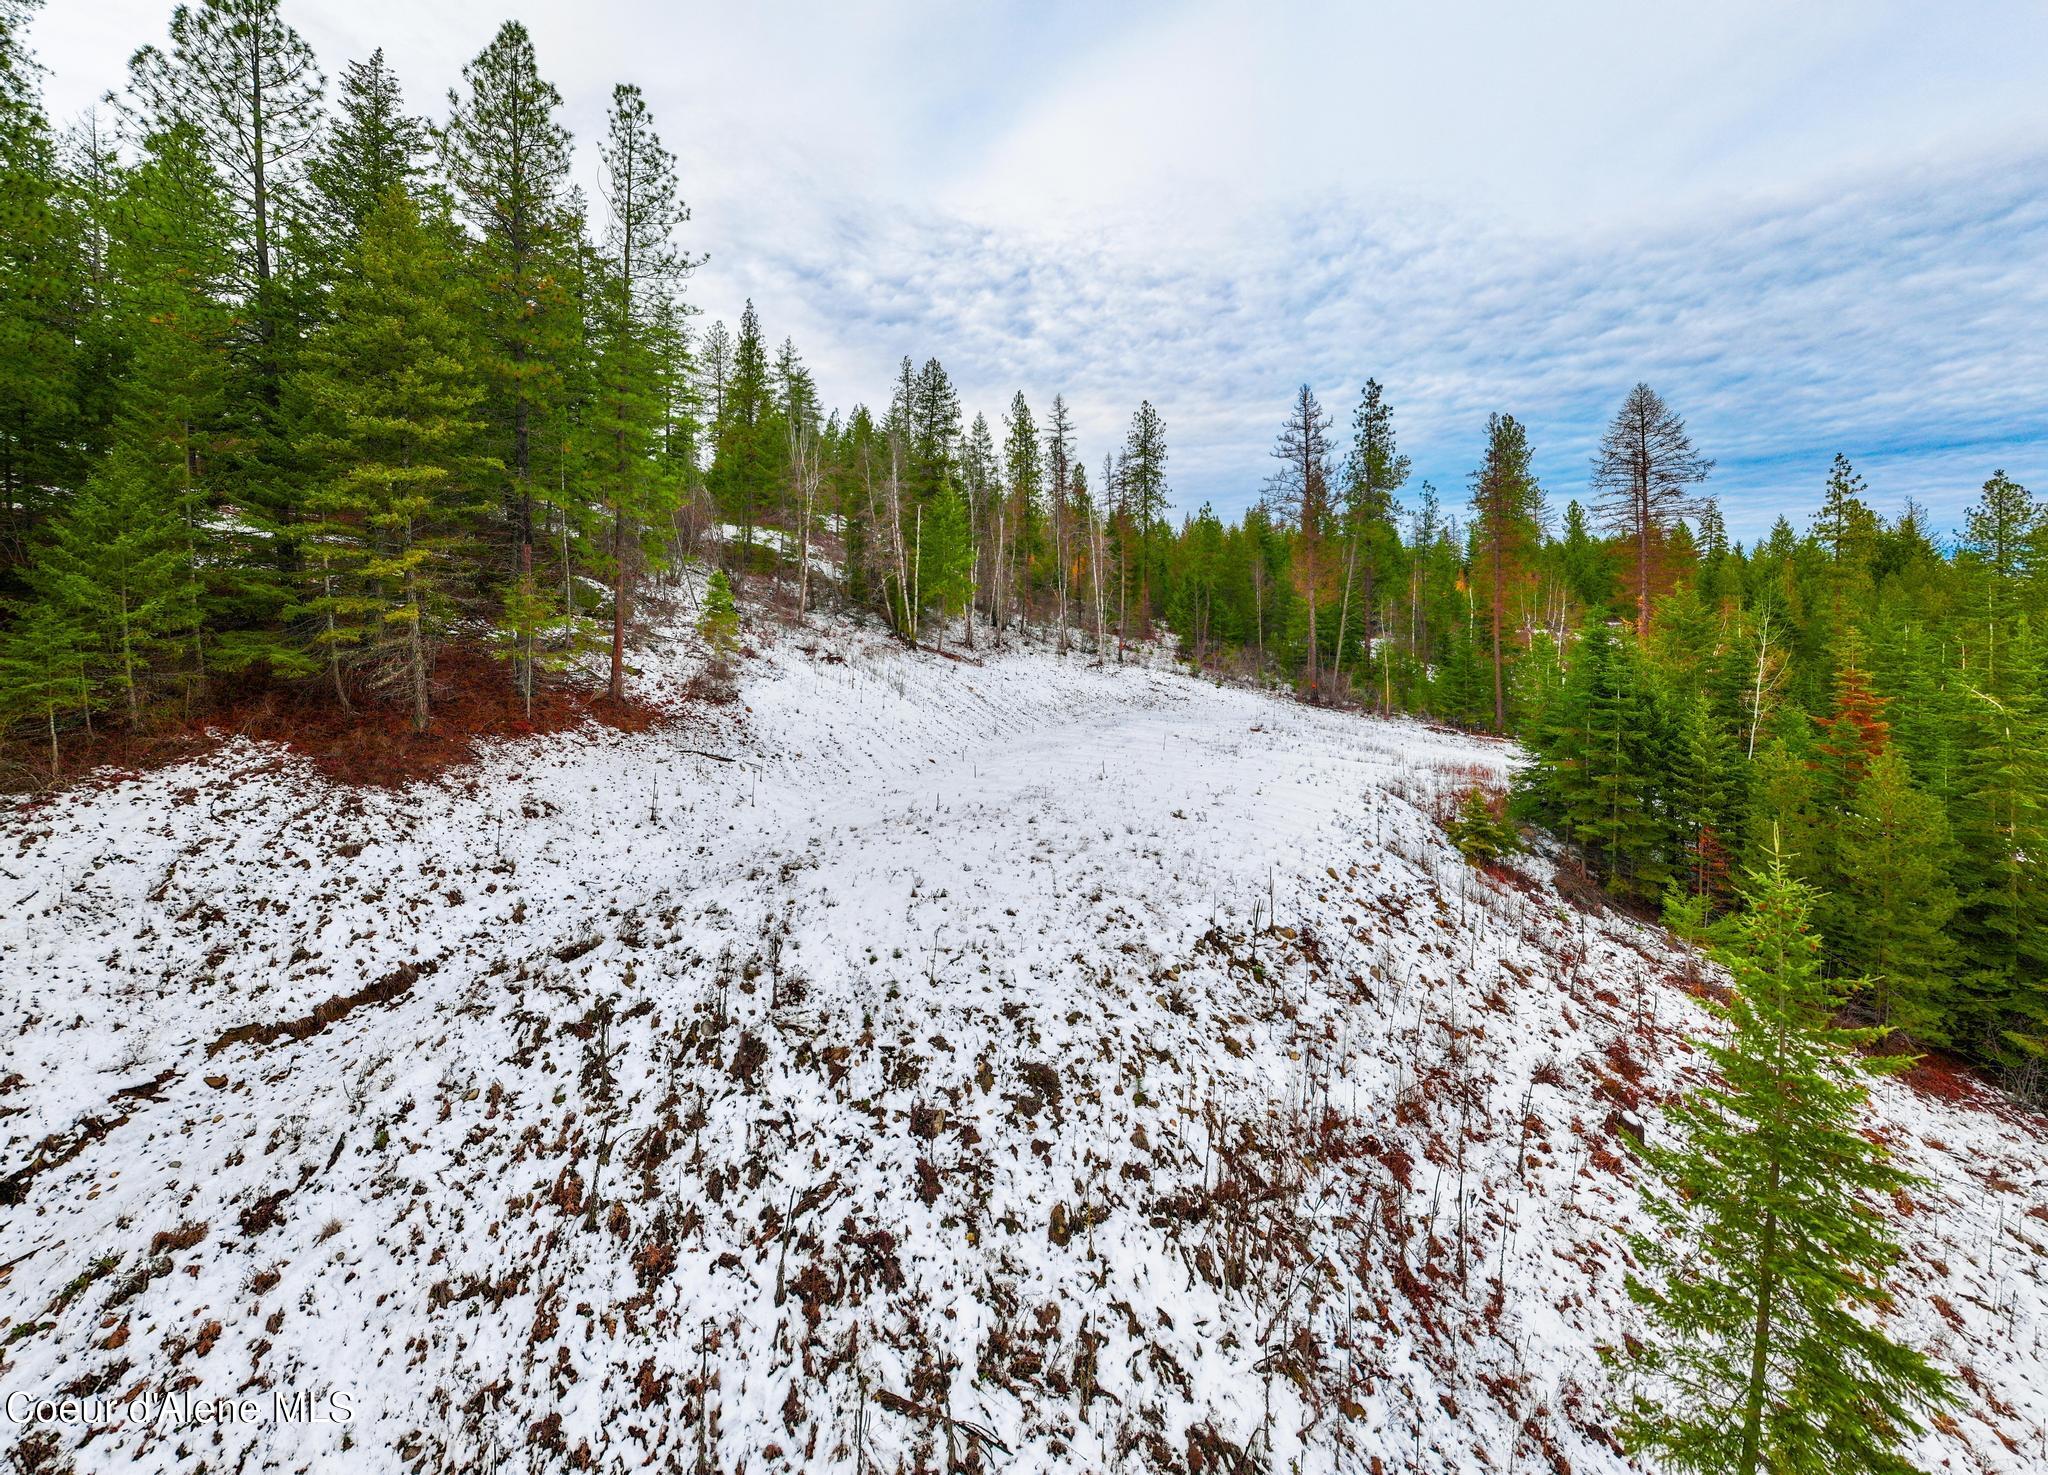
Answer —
642 267
2002 823
713 367
1300 493
1461 693
1759 1354
945 557
1703 781
1505 505
1849 738
1481 830
43 670
507 160
742 471
1626 767
2004 528
1141 485
1897 901
250 87
1373 472
719 622
1059 476
110 571
932 423
373 147
38 284
981 484
140 536
1024 476
1846 525
1587 572
1715 581
389 400
534 633
1781 819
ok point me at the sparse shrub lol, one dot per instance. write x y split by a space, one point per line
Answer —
1481 829
719 624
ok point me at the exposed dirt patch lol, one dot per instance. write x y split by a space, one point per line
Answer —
55 1151
388 989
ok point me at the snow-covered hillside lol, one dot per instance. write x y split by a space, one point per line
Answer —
1018 1066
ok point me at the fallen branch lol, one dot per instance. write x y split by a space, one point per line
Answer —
897 1403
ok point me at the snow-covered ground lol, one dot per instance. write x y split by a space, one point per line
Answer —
1020 1066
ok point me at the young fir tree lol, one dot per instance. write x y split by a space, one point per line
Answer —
1481 829
743 468
44 671
1142 492
1703 777
1587 570
1603 761
1759 1353
2002 824
111 567
1778 811
1848 740
1461 692
946 557
622 422
794 391
1627 768
534 633
1715 580
1024 479
719 622
389 400
1060 466
1897 901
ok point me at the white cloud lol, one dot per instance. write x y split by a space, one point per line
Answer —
1814 227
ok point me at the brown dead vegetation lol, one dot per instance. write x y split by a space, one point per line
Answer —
388 989
371 745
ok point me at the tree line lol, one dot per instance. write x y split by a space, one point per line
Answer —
304 390
1865 696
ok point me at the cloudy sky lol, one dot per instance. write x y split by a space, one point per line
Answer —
1813 227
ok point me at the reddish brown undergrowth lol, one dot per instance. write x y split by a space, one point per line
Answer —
373 744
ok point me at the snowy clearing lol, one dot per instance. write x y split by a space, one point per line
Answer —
1027 1066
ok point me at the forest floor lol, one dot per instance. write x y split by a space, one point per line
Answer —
1027 1066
